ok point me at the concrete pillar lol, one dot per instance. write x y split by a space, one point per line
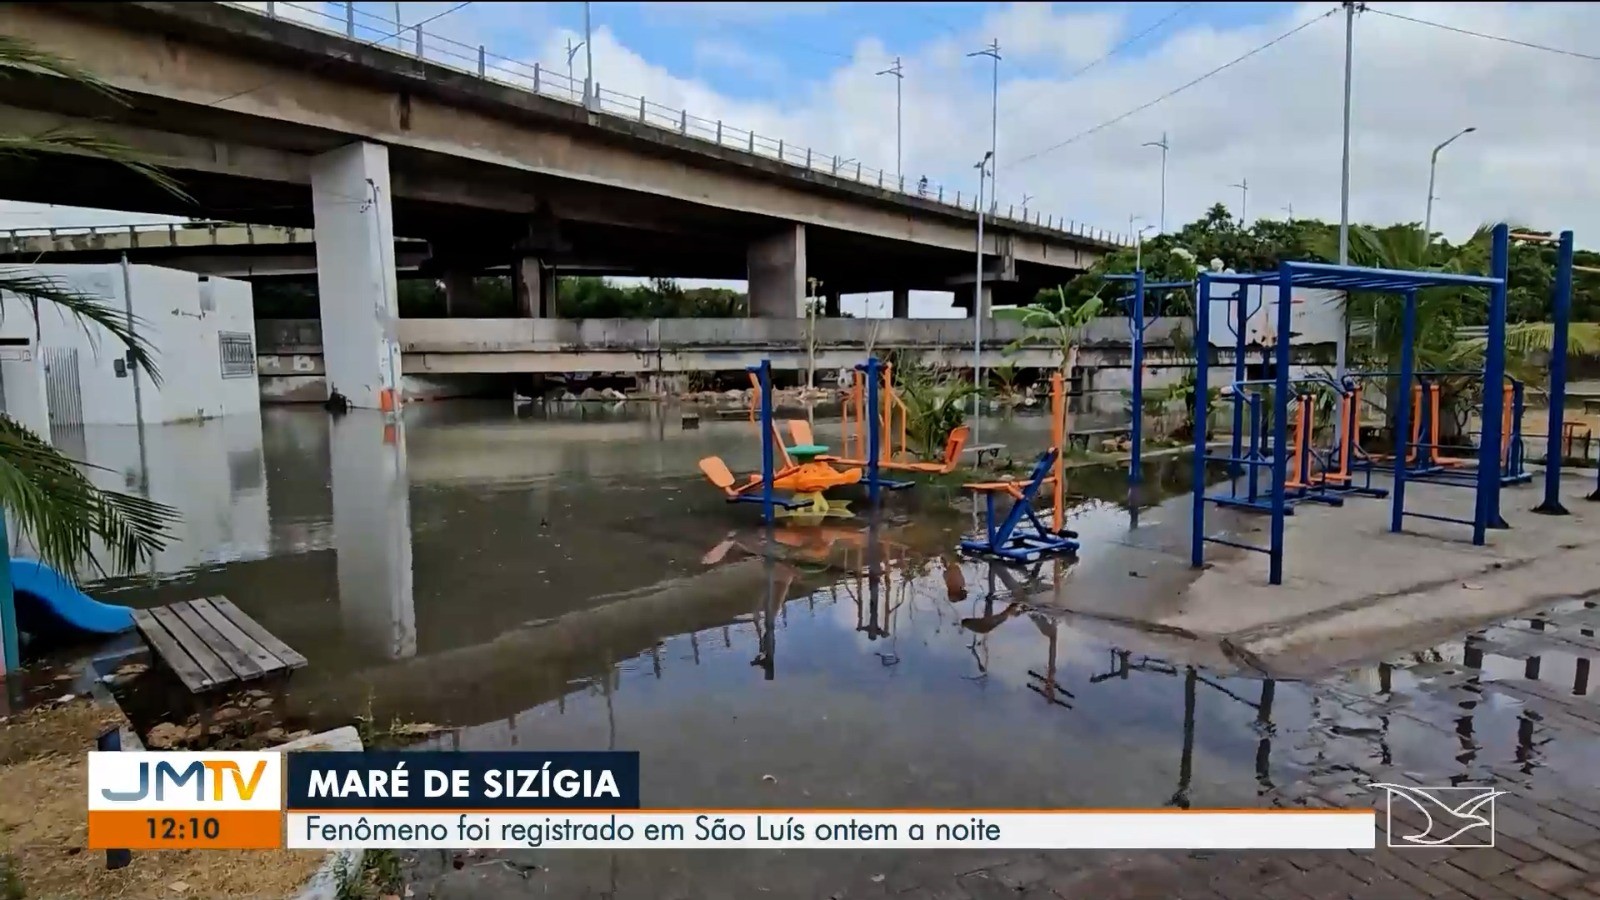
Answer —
372 531
902 303
460 300
776 269
830 304
533 284
354 220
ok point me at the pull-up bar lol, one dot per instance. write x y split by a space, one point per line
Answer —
1561 314
1137 324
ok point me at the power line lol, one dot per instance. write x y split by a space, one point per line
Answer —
1122 46
372 43
1177 90
1488 37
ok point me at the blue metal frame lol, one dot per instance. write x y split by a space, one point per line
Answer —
872 475
1486 509
769 503
1005 541
1561 312
1137 324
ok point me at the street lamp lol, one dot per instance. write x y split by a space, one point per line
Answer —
1162 144
899 79
1244 199
1138 245
1433 163
977 306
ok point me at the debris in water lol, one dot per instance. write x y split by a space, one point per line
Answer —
417 728
178 887
1471 587
770 779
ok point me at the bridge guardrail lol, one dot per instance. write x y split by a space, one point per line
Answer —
373 29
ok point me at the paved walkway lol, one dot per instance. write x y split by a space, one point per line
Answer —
1532 672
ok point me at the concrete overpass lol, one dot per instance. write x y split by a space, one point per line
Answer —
282 124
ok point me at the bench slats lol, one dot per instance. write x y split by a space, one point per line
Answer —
211 644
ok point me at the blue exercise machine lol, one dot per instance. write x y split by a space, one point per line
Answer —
1292 275
1008 539
1138 322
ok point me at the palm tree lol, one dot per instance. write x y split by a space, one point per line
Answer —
52 503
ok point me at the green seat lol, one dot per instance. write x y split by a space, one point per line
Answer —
806 452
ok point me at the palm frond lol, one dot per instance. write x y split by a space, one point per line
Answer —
86 308
64 515
67 140
20 56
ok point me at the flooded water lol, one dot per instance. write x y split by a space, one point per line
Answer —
568 579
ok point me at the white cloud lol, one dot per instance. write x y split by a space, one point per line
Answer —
715 53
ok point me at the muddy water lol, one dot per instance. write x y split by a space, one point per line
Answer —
566 579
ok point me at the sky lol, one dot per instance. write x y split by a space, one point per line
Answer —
1083 86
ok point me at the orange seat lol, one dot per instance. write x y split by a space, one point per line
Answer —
800 431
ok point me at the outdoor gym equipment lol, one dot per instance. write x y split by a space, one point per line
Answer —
807 481
1426 460
1291 275
1561 317
1314 474
1137 324
1008 538
888 409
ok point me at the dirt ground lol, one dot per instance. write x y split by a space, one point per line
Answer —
44 830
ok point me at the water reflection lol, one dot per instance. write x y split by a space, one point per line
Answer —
571 583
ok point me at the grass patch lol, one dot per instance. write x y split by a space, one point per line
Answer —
377 877
44 827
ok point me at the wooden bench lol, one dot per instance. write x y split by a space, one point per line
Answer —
1081 438
980 451
211 645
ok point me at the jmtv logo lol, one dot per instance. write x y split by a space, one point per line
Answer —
219 774
185 780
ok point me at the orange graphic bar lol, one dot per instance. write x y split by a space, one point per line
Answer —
257 829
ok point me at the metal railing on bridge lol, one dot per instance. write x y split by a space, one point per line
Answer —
355 23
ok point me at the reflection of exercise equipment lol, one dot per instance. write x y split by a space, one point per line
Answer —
1290 275
1137 324
1008 538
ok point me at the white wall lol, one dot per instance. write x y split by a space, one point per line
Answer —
178 313
1316 316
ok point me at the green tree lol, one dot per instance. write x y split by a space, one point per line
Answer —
54 504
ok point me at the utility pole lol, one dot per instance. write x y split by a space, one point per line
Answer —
1290 210
993 52
589 100
1244 199
399 28
572 50
1162 144
1339 351
977 308
899 77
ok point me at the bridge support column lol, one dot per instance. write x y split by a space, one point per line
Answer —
830 304
533 284
356 274
460 298
776 269
902 303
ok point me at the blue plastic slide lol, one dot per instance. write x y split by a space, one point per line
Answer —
49 605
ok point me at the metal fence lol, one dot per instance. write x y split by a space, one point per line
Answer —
413 40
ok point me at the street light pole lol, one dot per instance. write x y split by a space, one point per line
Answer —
1244 199
588 62
993 52
1433 164
572 50
1162 144
899 78
1339 348
977 308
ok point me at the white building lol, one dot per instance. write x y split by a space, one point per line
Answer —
59 372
